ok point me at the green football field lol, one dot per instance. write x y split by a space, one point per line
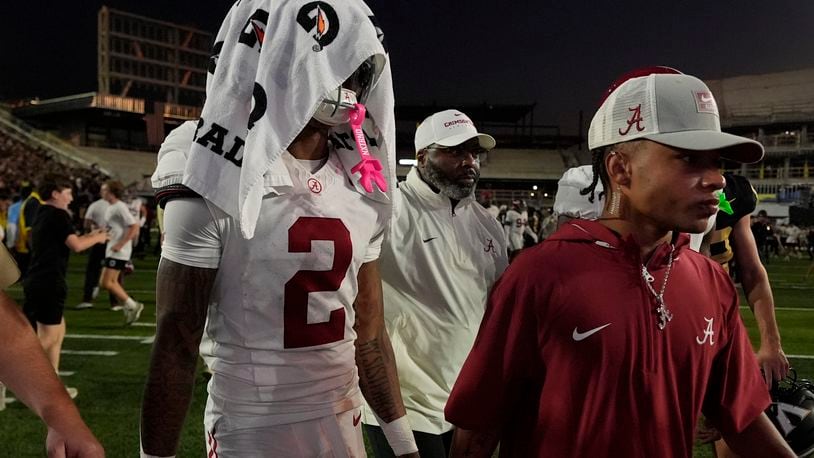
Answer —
107 361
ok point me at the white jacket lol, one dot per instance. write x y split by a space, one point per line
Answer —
438 266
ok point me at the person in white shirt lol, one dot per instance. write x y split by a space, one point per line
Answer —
94 219
123 229
516 225
138 209
439 260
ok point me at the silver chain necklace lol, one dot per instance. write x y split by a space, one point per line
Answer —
664 313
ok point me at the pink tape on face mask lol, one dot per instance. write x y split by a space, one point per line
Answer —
369 167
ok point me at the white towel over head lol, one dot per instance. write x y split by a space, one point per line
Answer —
274 62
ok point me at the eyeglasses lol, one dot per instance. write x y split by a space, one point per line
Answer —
460 151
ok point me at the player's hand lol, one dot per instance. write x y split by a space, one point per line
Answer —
101 235
706 433
77 443
774 364
116 248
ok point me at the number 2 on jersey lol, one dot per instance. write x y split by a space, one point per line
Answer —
297 332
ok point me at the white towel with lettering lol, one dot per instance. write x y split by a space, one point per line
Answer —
274 62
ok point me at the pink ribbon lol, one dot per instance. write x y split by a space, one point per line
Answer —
369 167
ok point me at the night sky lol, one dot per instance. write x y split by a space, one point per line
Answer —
560 55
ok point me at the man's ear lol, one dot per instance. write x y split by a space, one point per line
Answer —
619 168
421 157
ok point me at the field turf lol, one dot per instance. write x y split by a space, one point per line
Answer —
110 387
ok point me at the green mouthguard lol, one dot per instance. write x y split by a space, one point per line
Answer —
723 204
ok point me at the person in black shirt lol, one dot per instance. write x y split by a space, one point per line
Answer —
45 286
733 239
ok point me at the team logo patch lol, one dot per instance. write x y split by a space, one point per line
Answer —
320 20
490 246
254 32
314 185
705 102
708 333
635 119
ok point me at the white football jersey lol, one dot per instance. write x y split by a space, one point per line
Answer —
516 223
97 212
279 335
118 220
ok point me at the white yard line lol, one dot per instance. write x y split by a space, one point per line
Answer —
90 352
789 309
66 373
145 325
800 356
103 337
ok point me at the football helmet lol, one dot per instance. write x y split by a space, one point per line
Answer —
792 412
335 108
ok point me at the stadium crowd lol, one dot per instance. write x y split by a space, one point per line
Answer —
21 163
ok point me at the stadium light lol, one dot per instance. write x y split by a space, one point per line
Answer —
545 194
408 162
534 188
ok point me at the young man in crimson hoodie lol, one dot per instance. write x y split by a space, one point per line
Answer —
611 338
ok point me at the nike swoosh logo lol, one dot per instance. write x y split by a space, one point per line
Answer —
584 335
357 418
429 239
706 98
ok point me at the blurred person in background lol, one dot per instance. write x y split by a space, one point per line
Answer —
517 228
95 218
123 229
28 211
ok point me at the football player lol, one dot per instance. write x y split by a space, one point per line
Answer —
733 239
516 226
291 319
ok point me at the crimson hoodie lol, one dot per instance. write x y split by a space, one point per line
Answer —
570 362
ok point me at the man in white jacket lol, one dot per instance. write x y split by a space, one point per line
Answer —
439 260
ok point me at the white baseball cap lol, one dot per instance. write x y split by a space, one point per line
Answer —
449 128
671 108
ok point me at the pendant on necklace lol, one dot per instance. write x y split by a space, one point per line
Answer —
664 313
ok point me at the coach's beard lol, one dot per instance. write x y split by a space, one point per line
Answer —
447 187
